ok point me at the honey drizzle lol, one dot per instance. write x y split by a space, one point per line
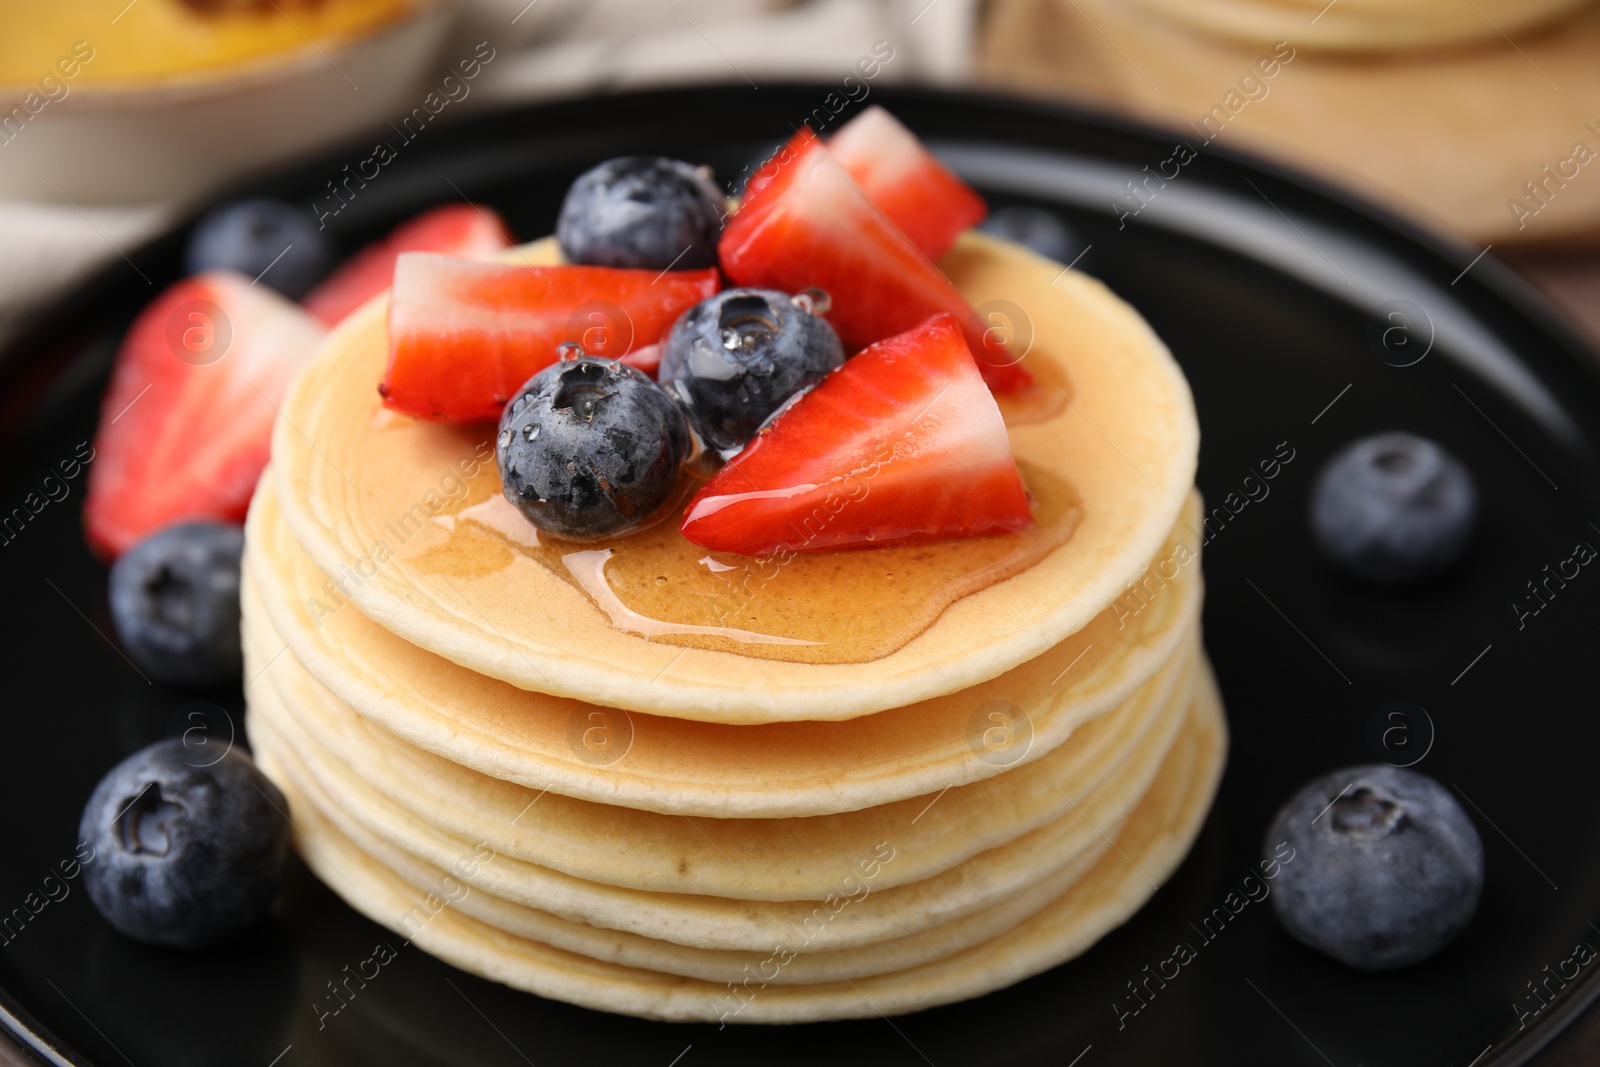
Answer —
840 606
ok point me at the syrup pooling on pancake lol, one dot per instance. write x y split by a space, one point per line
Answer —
827 607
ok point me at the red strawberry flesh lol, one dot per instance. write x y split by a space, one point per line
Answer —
186 424
806 225
904 443
465 336
926 202
466 230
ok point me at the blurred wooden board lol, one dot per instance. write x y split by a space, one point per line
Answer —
1455 136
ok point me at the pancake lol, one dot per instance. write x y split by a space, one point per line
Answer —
705 921
918 773
1148 849
1125 442
633 950
753 859
776 770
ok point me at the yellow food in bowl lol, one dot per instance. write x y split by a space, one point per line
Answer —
99 41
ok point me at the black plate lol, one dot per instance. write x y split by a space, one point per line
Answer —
1276 295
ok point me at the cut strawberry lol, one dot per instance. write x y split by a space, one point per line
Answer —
903 443
186 424
465 336
464 230
767 184
645 358
807 225
905 181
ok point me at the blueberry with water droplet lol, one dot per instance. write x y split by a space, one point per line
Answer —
590 448
1393 509
185 856
734 359
644 212
1386 868
1036 229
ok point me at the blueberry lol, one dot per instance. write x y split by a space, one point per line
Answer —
1386 868
589 448
644 212
175 603
188 849
251 236
1393 509
1036 229
735 358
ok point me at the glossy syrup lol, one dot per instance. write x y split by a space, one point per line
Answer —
840 606
850 605
844 606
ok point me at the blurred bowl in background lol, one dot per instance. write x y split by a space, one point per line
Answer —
1370 26
180 137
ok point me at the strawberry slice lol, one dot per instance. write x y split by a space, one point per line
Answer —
465 336
805 224
464 230
901 444
766 186
186 425
646 358
926 202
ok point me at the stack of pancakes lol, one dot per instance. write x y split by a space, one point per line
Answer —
541 786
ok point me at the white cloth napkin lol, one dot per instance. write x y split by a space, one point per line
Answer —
47 248
555 48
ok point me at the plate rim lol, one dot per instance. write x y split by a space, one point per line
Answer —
53 324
